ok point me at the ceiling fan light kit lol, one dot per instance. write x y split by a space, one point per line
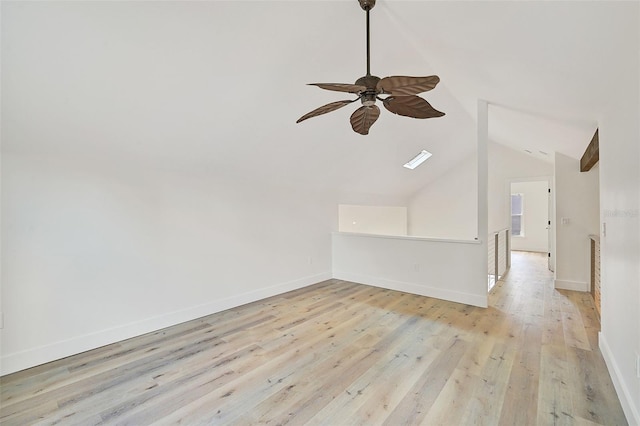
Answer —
401 93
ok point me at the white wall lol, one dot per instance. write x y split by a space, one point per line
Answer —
420 265
577 216
412 264
507 165
535 216
95 252
447 207
620 248
381 220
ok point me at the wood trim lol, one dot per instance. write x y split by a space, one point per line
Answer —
591 155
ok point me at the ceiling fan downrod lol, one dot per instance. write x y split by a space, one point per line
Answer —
367 5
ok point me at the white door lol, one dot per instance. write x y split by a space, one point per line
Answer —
530 216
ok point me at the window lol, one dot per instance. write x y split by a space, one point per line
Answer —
517 224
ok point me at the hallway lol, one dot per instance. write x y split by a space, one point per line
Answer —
560 364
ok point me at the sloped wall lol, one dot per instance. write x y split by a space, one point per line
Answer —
447 207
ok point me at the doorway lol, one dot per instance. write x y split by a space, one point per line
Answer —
531 207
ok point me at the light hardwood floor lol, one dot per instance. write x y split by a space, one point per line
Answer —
339 353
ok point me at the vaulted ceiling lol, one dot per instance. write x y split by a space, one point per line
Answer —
217 86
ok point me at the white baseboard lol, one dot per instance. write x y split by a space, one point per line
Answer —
29 358
531 249
571 285
422 290
631 411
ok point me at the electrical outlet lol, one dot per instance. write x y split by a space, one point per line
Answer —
416 267
310 260
637 365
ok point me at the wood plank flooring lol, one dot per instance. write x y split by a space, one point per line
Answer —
339 353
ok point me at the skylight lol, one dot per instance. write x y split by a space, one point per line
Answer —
417 160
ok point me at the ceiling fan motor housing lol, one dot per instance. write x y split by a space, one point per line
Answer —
368 81
367 4
368 97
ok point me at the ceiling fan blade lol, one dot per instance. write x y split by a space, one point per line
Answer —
341 87
411 106
325 109
363 118
403 85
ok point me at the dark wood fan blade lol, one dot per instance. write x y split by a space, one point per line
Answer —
363 118
402 85
341 87
325 109
411 106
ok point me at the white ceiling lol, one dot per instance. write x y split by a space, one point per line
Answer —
217 86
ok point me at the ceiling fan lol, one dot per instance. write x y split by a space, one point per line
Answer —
401 91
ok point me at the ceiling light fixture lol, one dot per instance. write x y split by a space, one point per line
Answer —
417 160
